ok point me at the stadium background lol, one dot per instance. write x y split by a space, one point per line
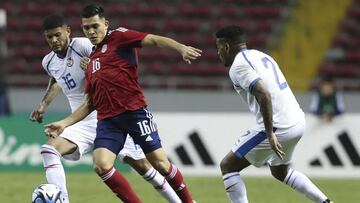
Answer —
307 38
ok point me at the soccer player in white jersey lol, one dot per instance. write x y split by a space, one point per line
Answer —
63 67
280 120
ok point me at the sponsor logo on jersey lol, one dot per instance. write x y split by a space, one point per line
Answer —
104 48
69 62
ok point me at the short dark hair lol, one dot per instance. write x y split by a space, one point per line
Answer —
327 79
53 21
92 10
232 33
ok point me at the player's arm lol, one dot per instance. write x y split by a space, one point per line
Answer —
56 128
52 91
188 53
263 98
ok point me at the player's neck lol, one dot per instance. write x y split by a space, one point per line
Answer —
242 46
62 54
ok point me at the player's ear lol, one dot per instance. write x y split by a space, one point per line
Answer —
106 24
68 30
227 47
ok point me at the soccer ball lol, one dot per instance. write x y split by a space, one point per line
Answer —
46 193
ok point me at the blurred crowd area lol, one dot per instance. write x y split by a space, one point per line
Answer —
192 22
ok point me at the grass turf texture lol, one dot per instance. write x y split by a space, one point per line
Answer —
87 187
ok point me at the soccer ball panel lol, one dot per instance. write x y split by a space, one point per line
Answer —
46 193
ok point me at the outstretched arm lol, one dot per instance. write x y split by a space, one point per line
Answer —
56 128
263 98
188 53
52 91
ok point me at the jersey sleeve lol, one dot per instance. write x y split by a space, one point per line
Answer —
128 38
244 76
83 46
45 63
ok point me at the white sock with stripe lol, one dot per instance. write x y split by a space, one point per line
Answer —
300 183
235 188
54 170
161 185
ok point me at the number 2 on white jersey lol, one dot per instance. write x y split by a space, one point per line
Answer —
266 62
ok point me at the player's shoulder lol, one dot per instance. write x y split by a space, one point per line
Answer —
119 30
241 60
80 42
257 54
47 58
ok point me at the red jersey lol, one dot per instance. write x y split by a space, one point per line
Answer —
112 74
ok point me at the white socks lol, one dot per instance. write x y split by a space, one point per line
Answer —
161 185
235 188
303 185
236 191
54 170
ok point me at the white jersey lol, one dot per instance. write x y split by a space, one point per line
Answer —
67 72
248 67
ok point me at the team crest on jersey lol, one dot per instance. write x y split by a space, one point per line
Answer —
69 62
104 48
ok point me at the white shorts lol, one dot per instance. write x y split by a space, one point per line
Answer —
255 147
131 150
83 135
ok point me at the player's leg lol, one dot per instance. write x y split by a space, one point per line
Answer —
230 167
143 130
104 167
107 145
172 174
51 153
299 182
135 157
75 141
280 167
145 169
249 149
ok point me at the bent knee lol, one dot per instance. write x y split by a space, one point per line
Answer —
279 174
141 165
162 166
225 166
101 167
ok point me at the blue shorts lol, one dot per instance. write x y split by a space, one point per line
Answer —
111 132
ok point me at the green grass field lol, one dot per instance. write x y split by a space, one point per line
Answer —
87 188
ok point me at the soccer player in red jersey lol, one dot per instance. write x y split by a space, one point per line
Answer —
113 89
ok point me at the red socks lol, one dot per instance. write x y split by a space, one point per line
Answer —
119 185
176 180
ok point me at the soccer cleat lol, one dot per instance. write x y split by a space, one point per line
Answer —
328 201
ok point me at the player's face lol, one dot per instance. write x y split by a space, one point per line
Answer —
223 50
95 28
58 38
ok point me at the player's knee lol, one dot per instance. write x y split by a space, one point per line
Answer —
161 166
280 175
141 166
224 166
49 149
101 167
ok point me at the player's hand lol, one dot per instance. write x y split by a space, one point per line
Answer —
189 53
84 62
54 129
38 114
276 146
